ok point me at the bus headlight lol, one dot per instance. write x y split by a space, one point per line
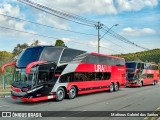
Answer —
25 89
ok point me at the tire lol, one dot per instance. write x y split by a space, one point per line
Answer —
111 87
72 93
154 83
116 87
60 94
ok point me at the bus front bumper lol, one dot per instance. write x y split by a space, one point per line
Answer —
132 84
36 99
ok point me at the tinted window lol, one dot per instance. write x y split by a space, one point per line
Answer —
147 66
60 69
138 65
51 54
84 76
142 66
118 62
149 75
93 59
131 65
69 54
46 72
29 55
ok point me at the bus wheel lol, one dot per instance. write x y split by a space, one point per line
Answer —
60 94
72 93
111 87
116 87
154 82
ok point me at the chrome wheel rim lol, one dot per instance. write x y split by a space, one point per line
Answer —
60 94
72 92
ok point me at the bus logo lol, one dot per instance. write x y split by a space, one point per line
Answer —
102 68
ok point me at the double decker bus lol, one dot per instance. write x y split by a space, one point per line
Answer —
49 72
141 73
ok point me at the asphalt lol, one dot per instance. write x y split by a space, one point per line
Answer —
127 99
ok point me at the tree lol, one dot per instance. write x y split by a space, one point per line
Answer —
60 43
19 48
4 54
35 43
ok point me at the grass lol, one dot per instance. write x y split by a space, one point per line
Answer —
7 89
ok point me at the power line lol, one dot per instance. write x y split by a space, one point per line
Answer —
55 27
56 13
77 19
121 38
51 37
46 25
49 27
116 44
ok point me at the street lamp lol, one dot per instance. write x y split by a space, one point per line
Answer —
99 38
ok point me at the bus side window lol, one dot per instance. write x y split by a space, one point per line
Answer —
90 76
107 76
63 79
142 67
139 66
42 77
66 78
98 76
77 77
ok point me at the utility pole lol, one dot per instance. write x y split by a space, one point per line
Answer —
98 27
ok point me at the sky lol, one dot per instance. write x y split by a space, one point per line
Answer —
138 21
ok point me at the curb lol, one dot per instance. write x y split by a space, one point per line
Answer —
4 94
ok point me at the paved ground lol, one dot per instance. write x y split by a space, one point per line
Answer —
128 99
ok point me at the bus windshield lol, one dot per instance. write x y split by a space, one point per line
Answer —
131 65
28 56
22 79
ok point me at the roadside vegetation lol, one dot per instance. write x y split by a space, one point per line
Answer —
145 56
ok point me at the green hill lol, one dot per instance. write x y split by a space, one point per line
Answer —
145 56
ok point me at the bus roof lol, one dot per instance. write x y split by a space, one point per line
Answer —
141 62
43 46
99 54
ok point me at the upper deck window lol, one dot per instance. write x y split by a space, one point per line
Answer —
51 54
106 60
69 54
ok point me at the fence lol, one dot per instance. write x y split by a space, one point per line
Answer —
5 80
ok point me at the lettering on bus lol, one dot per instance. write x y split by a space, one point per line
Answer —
102 68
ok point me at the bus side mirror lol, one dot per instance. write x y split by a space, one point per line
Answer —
6 65
32 64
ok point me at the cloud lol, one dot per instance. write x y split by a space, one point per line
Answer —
137 31
102 44
134 5
66 40
98 6
88 7
51 20
81 6
8 9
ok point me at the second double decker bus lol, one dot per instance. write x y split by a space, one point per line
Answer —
49 72
141 73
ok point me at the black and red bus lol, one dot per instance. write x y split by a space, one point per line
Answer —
141 73
49 72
